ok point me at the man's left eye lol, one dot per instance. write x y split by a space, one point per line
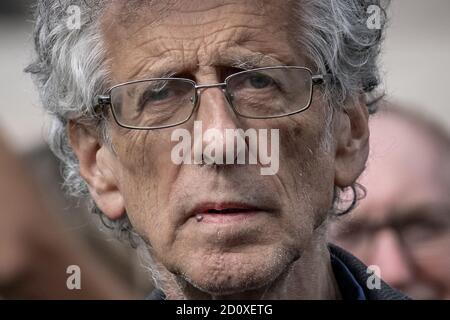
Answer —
158 95
260 81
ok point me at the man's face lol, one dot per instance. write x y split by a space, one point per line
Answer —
275 215
403 225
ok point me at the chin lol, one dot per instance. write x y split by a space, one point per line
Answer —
222 274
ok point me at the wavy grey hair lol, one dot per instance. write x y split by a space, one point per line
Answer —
70 67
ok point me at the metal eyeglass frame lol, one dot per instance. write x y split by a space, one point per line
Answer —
105 100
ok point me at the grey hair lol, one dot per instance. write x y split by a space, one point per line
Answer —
70 67
339 40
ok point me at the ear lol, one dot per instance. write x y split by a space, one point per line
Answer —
352 143
96 162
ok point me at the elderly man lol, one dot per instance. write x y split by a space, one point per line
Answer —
132 78
403 225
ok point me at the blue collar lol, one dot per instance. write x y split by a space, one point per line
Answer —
348 286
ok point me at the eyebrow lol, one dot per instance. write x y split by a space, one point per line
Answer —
351 225
161 71
427 213
248 61
166 68
424 212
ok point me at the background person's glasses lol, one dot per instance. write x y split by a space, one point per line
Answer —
262 93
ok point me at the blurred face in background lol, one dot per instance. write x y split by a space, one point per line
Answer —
403 225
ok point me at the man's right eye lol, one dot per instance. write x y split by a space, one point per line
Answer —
260 81
156 95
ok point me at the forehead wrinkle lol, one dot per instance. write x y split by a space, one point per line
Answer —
126 13
164 52
153 44
144 68
154 13
171 12
168 63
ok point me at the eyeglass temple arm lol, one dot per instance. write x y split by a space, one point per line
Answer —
322 78
103 100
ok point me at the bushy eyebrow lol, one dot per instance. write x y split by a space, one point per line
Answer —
247 62
157 73
251 61
166 68
165 74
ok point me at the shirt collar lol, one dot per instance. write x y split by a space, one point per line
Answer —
350 288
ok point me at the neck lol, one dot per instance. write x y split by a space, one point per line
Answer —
310 277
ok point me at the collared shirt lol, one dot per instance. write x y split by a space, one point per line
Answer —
348 286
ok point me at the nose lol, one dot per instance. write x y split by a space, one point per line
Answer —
214 117
388 253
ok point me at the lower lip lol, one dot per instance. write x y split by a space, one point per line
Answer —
225 218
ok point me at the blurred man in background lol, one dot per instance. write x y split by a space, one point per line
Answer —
403 225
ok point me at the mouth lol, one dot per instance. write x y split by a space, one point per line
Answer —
224 212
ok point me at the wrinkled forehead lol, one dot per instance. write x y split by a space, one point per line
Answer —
210 32
132 15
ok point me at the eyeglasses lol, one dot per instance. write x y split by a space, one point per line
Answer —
420 231
261 93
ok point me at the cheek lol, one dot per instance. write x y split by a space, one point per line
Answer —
144 157
307 159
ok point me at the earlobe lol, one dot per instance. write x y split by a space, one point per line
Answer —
352 143
95 162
